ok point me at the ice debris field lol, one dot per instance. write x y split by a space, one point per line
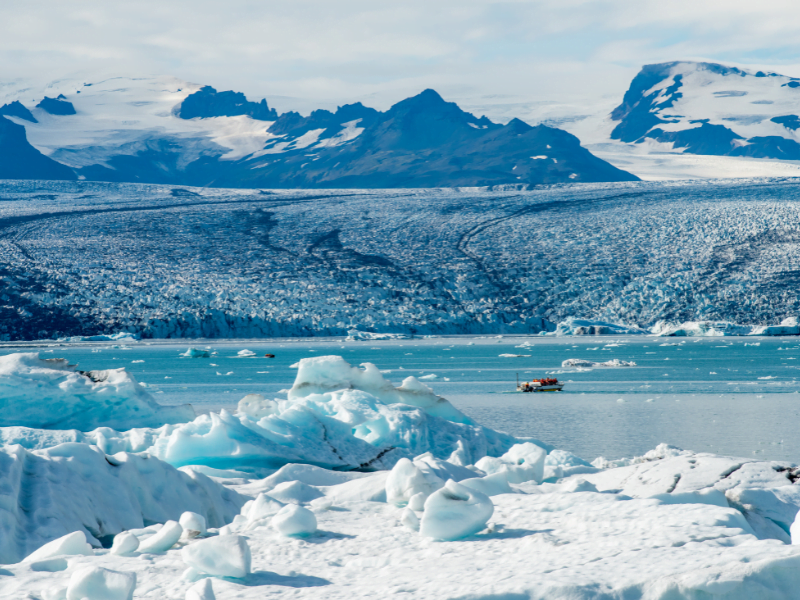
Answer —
83 258
350 486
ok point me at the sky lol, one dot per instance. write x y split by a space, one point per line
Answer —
301 53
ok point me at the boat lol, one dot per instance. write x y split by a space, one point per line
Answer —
548 384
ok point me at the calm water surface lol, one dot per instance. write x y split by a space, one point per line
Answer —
731 396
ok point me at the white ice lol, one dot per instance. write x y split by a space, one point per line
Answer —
221 556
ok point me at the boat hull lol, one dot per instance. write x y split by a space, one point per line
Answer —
544 388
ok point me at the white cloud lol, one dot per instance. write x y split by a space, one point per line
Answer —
382 51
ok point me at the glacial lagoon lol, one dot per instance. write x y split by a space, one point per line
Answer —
736 396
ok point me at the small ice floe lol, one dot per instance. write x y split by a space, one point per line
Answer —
195 353
753 344
430 376
246 353
768 377
515 355
579 362
136 361
713 373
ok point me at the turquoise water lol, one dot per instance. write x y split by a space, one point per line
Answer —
731 396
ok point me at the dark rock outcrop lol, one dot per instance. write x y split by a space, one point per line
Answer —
208 102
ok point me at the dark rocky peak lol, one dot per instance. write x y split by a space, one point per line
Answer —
286 123
20 160
427 120
208 102
789 121
352 112
57 106
17 109
293 124
518 126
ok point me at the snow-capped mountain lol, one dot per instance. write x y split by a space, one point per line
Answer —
712 109
162 130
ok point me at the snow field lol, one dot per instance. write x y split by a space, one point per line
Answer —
464 513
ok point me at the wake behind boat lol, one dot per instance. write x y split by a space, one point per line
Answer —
539 385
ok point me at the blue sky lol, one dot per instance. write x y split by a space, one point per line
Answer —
380 52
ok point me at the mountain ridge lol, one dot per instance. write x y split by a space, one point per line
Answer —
167 131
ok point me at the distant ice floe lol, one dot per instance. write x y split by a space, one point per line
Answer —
789 326
577 326
196 353
122 336
365 336
579 362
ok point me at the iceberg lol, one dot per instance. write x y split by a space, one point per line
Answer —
76 489
789 326
614 362
196 353
354 335
576 326
122 336
336 416
52 394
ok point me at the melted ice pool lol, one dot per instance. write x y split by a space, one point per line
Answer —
733 396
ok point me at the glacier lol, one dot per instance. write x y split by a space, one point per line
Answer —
75 259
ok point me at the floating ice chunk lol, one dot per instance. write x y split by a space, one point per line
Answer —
245 353
575 326
295 521
430 376
165 539
97 583
514 355
491 485
220 556
454 512
257 406
196 353
406 480
354 335
72 544
579 362
409 519
51 394
295 492
124 543
202 590
193 523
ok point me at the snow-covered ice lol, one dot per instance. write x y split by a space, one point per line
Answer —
523 520
293 520
98 583
454 512
221 556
